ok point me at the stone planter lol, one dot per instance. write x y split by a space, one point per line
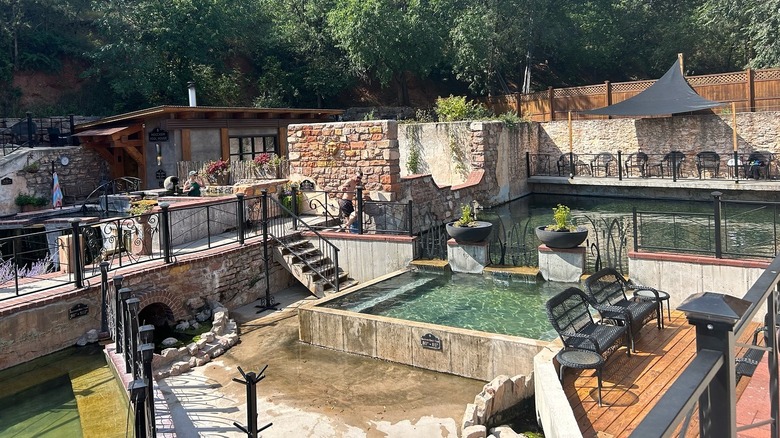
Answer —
562 239
477 233
141 243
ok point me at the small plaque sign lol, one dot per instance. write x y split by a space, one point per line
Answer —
160 174
78 310
307 185
6 181
430 341
158 134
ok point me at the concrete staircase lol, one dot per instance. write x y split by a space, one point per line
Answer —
310 266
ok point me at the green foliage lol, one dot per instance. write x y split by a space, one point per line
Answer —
466 217
455 108
413 161
142 206
23 199
510 119
562 218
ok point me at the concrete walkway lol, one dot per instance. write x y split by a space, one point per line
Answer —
310 391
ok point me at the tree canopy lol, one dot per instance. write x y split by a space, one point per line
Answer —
298 53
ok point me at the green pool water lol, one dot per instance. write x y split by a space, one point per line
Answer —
71 393
476 302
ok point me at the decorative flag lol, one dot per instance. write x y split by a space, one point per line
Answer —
56 192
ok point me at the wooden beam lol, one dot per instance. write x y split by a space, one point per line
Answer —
224 141
124 143
186 145
136 154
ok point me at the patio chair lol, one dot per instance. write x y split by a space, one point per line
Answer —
55 138
670 161
638 161
564 164
757 164
570 316
707 160
602 160
606 292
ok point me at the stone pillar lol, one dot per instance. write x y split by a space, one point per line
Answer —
563 265
470 258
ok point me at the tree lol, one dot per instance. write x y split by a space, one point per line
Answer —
388 39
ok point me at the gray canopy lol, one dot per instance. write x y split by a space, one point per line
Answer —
669 95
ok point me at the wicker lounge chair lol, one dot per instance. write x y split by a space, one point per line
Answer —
602 160
564 165
707 161
638 161
570 316
606 292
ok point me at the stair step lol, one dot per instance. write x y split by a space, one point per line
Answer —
314 262
303 253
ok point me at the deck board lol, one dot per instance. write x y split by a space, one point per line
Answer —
632 385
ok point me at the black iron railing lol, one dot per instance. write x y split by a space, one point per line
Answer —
734 229
708 383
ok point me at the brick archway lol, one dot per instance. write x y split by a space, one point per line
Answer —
166 298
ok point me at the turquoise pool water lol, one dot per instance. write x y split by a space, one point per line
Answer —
476 302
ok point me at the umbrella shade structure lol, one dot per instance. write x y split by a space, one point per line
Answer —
669 95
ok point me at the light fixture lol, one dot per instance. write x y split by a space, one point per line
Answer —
159 154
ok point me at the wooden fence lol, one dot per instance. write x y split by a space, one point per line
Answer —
750 90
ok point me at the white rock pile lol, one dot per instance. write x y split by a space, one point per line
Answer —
497 398
213 343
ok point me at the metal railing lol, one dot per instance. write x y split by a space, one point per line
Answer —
735 229
709 381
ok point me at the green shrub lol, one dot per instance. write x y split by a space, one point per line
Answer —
23 199
455 108
510 119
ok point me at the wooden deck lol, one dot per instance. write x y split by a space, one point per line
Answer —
633 385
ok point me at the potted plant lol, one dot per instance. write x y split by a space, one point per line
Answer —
562 234
218 172
28 202
286 195
32 167
467 228
141 243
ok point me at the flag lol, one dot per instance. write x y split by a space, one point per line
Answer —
56 192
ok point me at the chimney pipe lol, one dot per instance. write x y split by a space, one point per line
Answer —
191 93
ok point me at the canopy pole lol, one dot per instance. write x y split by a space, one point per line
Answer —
571 150
734 123
682 64
571 144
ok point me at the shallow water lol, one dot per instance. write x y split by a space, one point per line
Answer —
71 393
467 301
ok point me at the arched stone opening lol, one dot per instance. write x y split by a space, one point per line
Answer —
157 314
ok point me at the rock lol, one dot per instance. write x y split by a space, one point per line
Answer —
192 362
478 431
170 353
161 374
218 329
202 359
204 315
469 416
484 404
184 325
219 309
169 342
195 303
180 367
92 336
231 327
82 340
232 339
195 325
220 318
192 348
504 432
175 372
201 344
208 336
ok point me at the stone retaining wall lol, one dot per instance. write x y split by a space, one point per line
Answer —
39 325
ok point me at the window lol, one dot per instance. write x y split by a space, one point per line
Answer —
246 148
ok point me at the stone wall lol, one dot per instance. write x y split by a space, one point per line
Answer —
233 276
688 134
330 153
82 172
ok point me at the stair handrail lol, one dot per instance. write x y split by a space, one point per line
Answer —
132 182
331 248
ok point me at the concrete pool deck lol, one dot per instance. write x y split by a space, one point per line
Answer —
311 391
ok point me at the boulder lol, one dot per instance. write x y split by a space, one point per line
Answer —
469 416
203 315
169 342
477 431
92 336
184 325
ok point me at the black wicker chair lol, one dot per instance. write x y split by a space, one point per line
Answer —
564 165
670 162
602 160
638 161
570 316
606 292
707 161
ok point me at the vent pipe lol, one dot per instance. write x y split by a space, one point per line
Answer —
191 93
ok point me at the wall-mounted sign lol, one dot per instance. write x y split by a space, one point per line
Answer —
78 310
158 134
430 341
307 185
6 181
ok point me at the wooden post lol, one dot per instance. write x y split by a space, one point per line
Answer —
186 145
550 95
682 64
608 95
734 126
517 105
751 89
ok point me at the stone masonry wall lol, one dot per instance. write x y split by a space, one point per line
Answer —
83 170
233 277
330 153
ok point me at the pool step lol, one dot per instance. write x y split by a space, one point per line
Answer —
315 270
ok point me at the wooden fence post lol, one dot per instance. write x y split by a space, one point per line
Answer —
751 89
550 95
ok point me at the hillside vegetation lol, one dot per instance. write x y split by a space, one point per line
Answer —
108 56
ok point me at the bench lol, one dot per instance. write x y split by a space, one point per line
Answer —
570 316
606 292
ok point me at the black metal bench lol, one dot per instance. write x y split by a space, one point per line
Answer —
606 292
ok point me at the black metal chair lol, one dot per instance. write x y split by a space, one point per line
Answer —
564 164
757 164
672 161
602 160
707 161
606 292
55 138
570 316
637 161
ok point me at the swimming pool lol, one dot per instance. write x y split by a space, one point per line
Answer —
472 333
475 302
